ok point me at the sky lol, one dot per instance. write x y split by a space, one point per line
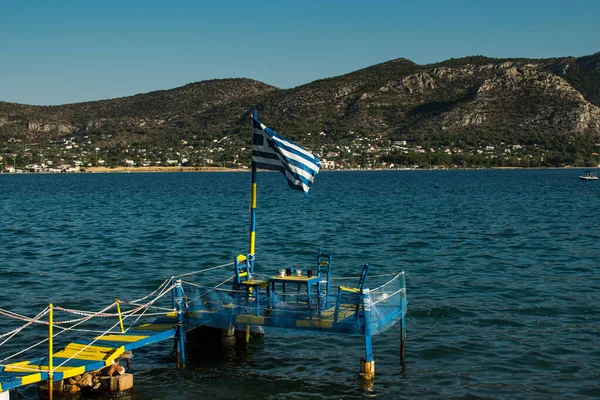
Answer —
58 52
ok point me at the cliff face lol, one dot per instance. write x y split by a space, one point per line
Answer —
557 97
525 97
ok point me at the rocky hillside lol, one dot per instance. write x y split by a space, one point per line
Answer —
476 98
143 112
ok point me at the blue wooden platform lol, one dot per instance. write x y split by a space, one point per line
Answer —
292 305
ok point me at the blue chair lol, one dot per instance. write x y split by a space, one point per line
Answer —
244 277
242 269
324 271
352 295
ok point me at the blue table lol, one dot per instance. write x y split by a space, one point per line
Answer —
297 280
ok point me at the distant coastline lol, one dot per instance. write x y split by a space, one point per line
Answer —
225 169
106 170
160 169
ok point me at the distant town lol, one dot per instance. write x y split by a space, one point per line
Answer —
76 154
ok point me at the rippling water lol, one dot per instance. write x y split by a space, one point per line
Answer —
501 271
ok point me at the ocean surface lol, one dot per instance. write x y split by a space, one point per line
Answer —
502 272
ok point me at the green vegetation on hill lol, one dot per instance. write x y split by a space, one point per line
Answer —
531 112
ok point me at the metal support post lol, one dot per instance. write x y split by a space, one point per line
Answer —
402 337
367 366
50 350
179 312
120 316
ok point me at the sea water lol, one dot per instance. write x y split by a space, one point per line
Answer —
501 269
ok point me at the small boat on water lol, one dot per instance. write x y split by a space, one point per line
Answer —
588 176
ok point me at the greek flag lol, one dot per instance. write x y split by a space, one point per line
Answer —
270 150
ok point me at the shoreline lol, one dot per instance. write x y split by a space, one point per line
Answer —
107 170
160 169
225 169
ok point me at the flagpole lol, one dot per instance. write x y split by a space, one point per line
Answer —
252 202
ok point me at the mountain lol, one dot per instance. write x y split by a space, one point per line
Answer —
550 102
117 116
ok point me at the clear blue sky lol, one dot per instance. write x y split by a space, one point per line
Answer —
56 52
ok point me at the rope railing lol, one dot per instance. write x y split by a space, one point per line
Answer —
12 333
396 276
203 270
14 315
160 287
358 277
163 290
23 351
144 307
209 290
386 298
86 346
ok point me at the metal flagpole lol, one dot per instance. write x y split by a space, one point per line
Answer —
252 202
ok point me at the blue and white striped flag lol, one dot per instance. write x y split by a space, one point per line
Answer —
270 150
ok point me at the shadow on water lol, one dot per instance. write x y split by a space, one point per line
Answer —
244 371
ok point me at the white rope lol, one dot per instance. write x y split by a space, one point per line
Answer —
390 281
156 314
112 315
168 309
87 316
85 313
388 296
19 329
165 291
358 277
208 291
203 270
14 315
108 315
106 331
86 346
85 319
145 308
23 351
160 287
21 368
9 333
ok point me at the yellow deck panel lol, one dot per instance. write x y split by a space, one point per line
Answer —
198 313
81 352
345 311
153 327
314 323
41 368
114 355
33 378
120 338
249 319
89 347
